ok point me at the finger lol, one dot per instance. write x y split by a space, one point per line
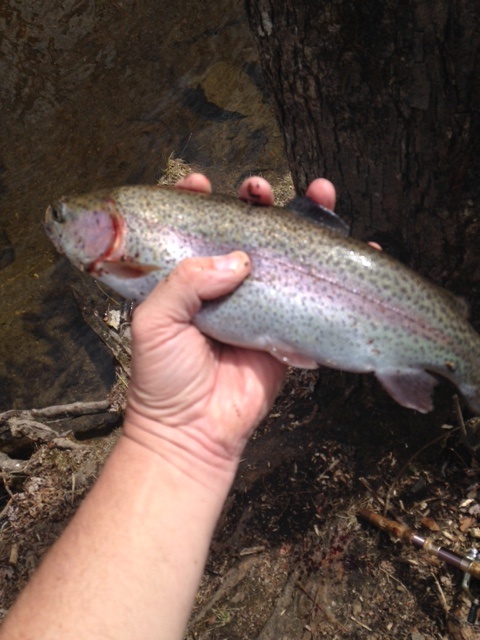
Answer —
323 192
195 182
256 190
179 296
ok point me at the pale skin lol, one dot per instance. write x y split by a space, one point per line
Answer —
129 563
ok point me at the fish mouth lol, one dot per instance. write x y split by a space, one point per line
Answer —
115 250
91 237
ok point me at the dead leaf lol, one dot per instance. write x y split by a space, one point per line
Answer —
466 523
430 524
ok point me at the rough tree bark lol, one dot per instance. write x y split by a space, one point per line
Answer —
383 97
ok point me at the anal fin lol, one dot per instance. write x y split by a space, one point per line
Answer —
412 388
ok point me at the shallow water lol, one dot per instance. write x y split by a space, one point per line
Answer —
95 94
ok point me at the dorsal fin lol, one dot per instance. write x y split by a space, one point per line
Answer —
305 206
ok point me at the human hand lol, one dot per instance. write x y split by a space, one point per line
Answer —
189 390
257 190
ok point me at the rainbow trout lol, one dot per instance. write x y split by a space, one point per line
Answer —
313 296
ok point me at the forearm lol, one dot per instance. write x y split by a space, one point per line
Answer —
129 563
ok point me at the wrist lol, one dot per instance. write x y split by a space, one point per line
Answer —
188 450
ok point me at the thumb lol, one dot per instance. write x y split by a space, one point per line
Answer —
179 296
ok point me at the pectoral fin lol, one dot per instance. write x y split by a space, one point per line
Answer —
412 388
126 269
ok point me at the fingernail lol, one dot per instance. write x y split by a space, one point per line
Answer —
232 262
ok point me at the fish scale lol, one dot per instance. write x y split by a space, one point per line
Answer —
313 296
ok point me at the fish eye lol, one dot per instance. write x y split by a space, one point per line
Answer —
56 212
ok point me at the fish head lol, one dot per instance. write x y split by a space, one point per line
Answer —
88 230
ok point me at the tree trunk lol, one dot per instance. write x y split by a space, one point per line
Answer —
383 98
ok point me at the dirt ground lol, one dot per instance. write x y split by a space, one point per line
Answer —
291 558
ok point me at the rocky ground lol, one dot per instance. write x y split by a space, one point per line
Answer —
291 557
